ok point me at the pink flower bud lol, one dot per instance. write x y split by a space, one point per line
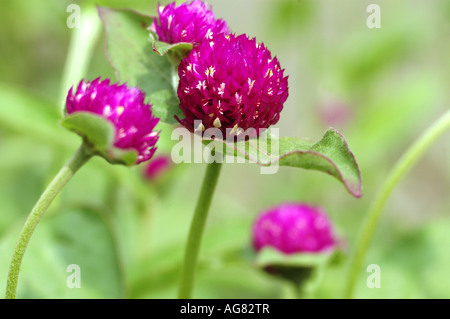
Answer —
122 106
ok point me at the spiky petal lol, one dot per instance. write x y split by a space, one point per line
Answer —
231 82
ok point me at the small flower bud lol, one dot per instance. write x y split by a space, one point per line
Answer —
157 167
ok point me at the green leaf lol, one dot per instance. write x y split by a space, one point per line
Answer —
131 54
163 105
98 134
330 155
98 131
124 157
272 257
176 51
302 269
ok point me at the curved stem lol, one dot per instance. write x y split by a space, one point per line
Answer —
403 165
53 189
196 230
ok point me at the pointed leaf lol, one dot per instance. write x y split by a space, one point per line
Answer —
176 51
330 155
130 52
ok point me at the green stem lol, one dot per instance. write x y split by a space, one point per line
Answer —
53 189
402 166
81 48
196 231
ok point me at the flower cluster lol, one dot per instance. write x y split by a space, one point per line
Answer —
124 107
294 228
190 22
231 83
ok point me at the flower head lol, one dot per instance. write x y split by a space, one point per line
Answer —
231 83
157 167
124 107
294 228
190 22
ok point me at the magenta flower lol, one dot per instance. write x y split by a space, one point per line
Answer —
157 167
190 22
231 83
122 106
294 228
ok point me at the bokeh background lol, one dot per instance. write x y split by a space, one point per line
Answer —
380 87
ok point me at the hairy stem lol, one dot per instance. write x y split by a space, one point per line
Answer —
52 190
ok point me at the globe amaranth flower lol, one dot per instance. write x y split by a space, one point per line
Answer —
124 107
231 83
190 22
294 228
157 167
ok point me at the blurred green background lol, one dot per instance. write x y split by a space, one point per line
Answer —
380 87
